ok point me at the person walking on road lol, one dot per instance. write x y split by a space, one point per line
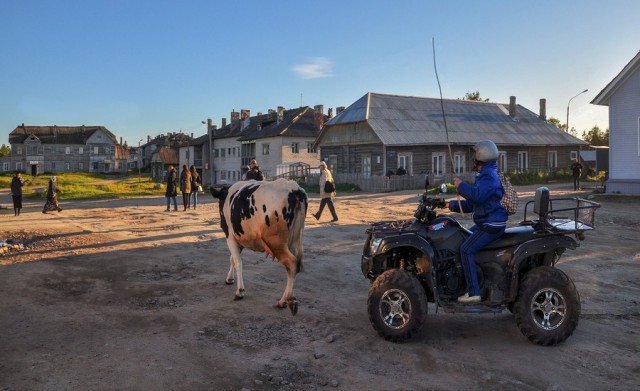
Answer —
52 196
172 188
185 187
576 169
196 181
326 197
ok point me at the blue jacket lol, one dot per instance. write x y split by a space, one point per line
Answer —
483 198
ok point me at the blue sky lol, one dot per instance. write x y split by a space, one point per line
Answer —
148 67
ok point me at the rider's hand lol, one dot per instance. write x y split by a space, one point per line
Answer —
456 182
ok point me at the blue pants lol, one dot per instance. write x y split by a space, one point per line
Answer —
194 194
175 203
474 243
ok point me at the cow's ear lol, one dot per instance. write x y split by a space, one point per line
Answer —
219 190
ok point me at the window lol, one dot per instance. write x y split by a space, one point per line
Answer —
366 165
502 161
405 161
573 155
18 150
552 160
215 153
67 166
229 152
53 166
310 148
265 149
523 161
222 152
294 148
95 150
5 166
438 163
458 163
18 166
67 151
80 166
95 166
80 151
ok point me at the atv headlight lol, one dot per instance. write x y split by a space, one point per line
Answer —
375 243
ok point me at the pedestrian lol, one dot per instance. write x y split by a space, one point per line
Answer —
52 196
196 183
16 192
326 197
489 216
172 188
254 172
576 169
185 187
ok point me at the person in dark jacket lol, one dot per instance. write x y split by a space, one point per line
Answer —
185 187
16 192
172 189
196 181
576 170
254 172
52 196
489 216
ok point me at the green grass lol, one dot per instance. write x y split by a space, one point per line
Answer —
86 186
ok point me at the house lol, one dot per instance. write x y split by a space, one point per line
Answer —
622 96
380 134
57 149
273 139
161 159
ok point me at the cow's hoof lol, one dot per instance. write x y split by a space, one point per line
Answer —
293 306
238 297
229 282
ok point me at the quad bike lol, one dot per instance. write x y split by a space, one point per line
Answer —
412 262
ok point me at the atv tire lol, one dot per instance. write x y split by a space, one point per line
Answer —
397 305
548 306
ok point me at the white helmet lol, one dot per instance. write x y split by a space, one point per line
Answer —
485 150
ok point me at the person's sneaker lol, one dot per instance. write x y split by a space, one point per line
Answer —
316 216
44 211
466 299
334 220
59 210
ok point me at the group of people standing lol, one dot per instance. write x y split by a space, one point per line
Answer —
190 184
17 182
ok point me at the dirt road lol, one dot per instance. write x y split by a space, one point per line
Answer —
122 295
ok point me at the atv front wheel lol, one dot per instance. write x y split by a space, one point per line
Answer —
548 306
397 305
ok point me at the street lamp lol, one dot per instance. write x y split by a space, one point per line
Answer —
139 166
568 107
210 130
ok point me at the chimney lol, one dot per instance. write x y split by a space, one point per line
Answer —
330 115
271 112
120 140
280 114
512 106
224 123
245 117
148 138
339 109
235 116
543 109
318 116
259 114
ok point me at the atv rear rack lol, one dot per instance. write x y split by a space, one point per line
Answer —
570 214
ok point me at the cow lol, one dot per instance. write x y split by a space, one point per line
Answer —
264 217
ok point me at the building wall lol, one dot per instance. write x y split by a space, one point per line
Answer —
624 131
228 167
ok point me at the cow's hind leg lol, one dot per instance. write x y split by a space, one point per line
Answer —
236 263
288 260
232 272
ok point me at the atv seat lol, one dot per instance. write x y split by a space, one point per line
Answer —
512 236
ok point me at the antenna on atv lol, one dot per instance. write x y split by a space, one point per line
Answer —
444 117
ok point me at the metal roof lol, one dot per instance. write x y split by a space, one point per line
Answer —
408 120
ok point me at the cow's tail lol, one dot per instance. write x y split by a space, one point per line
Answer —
297 227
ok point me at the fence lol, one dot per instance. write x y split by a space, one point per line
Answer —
381 183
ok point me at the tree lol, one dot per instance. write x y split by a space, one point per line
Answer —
5 150
596 136
474 96
560 126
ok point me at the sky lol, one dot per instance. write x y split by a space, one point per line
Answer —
147 67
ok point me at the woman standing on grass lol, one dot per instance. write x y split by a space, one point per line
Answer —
52 196
185 186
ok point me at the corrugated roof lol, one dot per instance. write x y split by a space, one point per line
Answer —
167 155
408 120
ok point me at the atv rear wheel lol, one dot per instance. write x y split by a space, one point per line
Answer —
397 305
548 306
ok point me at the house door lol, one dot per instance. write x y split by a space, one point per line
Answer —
34 169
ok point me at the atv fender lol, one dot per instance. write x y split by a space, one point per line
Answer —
423 264
546 245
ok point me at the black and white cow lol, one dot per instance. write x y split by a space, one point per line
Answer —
264 217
